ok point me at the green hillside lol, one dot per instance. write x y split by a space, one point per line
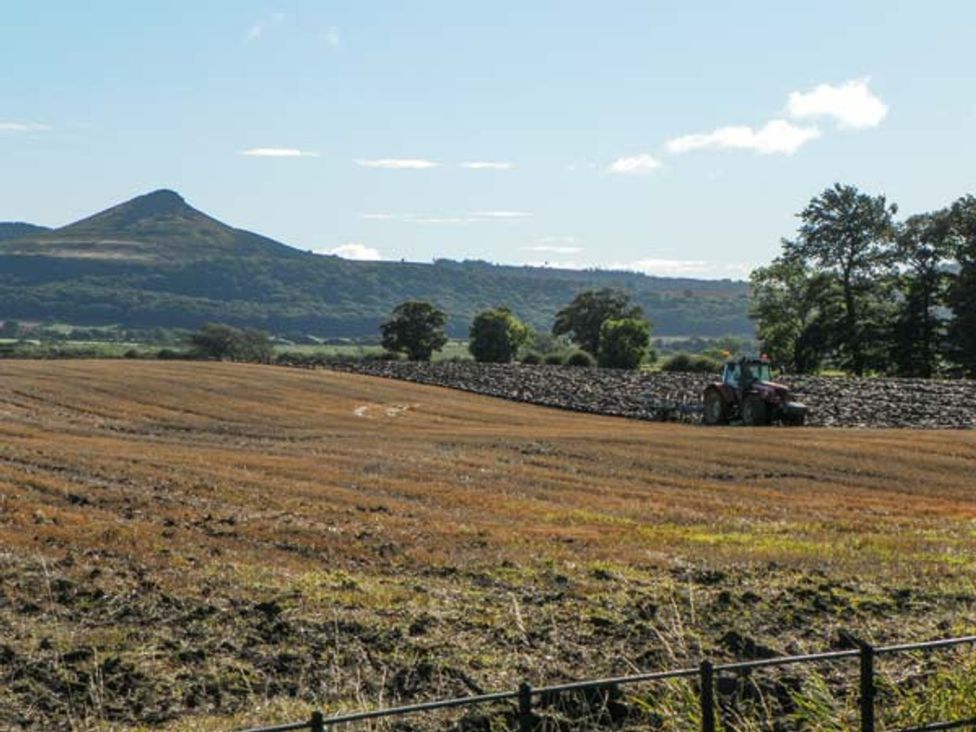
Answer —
18 229
156 261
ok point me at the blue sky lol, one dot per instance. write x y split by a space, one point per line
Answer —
666 137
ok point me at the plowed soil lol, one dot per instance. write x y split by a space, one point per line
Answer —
199 546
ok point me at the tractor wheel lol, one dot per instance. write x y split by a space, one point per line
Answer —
755 412
716 409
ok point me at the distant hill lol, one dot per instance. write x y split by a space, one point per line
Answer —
155 261
17 229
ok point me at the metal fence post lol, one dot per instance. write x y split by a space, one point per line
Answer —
525 707
867 687
317 722
707 682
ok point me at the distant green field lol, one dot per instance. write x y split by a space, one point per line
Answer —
453 349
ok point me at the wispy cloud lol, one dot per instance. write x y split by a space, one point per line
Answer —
398 164
278 152
776 136
851 104
445 219
658 267
554 245
354 250
441 220
554 249
501 214
254 32
635 165
685 268
24 127
332 37
487 165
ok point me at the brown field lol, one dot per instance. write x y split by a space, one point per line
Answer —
190 543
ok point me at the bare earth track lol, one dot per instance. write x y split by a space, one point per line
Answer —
200 546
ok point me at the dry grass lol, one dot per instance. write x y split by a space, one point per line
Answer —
346 496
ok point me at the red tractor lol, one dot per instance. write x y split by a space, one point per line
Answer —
748 394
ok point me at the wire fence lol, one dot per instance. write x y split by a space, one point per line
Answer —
527 698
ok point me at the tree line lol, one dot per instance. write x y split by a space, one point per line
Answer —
859 290
607 328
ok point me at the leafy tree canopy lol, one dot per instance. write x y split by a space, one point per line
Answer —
794 306
624 343
415 328
496 336
849 233
585 315
962 292
226 343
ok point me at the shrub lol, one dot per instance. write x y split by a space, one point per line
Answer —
706 364
579 358
554 359
624 343
226 343
496 335
168 354
132 353
692 364
532 358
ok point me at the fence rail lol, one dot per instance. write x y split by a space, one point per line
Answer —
706 673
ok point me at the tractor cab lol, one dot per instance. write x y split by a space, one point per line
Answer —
745 371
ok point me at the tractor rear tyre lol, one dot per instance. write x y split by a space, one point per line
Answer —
716 409
755 411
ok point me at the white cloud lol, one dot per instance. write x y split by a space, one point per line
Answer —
278 152
331 37
451 218
566 264
776 136
659 267
851 104
257 30
23 127
501 214
635 165
356 251
665 266
487 165
398 164
439 220
554 249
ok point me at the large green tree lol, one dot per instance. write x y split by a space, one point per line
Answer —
415 328
962 291
793 305
586 314
849 233
226 343
624 343
923 249
496 335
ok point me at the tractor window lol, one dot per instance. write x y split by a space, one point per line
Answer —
762 372
731 376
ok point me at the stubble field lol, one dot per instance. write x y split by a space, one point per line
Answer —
198 546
